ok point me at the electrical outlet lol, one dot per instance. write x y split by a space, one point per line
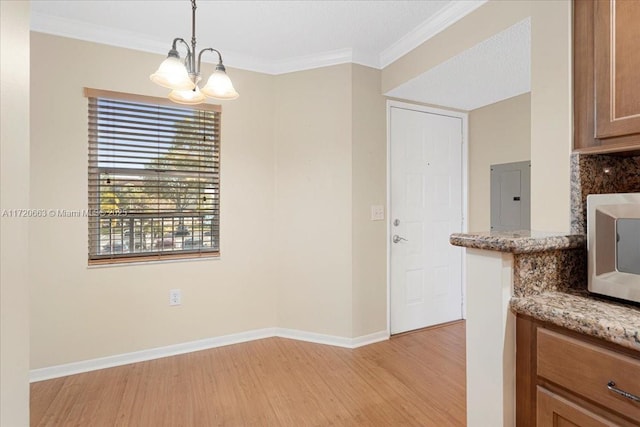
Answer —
175 297
377 213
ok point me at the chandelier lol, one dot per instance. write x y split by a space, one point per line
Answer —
182 77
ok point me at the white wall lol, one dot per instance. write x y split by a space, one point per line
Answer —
80 313
498 133
14 231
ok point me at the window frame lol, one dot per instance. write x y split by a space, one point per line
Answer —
161 254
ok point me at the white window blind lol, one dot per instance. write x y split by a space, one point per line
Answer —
154 179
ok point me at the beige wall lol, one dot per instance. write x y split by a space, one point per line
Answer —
14 231
550 90
551 117
369 183
80 313
331 167
498 133
313 200
303 161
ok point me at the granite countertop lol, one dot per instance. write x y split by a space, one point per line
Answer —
582 312
518 242
558 261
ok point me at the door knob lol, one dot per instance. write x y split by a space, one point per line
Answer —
398 239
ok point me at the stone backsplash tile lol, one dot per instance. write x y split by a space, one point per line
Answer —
556 270
599 174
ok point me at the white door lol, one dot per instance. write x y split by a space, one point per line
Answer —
426 207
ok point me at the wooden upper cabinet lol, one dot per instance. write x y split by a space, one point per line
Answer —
606 75
617 55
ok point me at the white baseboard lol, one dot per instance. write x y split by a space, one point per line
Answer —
373 338
143 355
57 371
313 337
332 339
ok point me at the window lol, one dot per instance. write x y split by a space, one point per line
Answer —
154 179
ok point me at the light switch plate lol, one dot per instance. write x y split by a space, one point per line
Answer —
377 213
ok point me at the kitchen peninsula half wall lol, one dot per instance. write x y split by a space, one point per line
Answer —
500 266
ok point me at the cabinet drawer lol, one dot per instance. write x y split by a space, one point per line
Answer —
586 369
555 411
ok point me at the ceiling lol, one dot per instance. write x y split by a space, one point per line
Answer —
267 36
501 69
278 37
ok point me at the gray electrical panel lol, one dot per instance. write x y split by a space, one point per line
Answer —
511 196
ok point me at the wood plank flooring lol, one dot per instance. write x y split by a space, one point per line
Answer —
414 379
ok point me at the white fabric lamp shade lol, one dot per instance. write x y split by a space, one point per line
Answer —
219 86
172 74
187 97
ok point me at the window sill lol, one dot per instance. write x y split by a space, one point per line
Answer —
147 260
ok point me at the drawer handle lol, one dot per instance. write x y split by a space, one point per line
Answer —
612 386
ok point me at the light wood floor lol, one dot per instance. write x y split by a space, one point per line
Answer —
415 379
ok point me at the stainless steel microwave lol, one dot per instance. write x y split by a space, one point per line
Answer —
613 241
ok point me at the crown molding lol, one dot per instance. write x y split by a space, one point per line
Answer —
74 29
308 62
131 40
449 15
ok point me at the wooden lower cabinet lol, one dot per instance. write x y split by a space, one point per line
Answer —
554 410
568 379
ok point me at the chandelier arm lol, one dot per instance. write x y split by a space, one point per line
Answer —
175 44
206 50
188 60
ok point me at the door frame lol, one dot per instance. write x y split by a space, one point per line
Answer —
465 187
